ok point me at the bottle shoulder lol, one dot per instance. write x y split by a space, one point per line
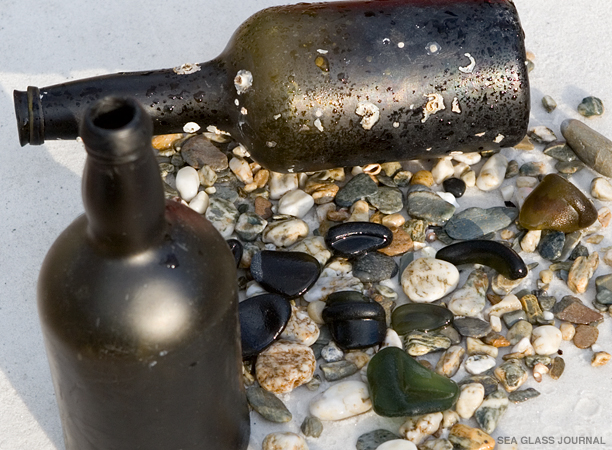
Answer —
162 296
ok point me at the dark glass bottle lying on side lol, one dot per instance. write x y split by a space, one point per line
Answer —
138 305
313 86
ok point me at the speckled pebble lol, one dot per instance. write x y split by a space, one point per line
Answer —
285 233
357 188
478 364
429 279
470 299
284 366
522 395
417 429
341 400
549 103
295 203
284 441
470 398
590 106
491 411
223 215
429 207
374 267
450 361
511 375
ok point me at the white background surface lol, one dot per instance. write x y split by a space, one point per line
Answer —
43 43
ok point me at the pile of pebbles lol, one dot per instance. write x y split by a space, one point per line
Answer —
340 268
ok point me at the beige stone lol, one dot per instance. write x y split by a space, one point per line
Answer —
284 366
464 437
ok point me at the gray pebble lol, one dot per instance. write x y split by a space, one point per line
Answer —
312 427
549 103
332 353
373 439
518 330
374 267
594 149
551 244
358 188
489 382
570 167
198 150
268 405
560 151
430 207
512 170
474 223
532 169
387 200
522 395
249 225
491 410
334 371
472 326
590 106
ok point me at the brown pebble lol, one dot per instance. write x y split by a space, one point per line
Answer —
325 194
424 177
198 150
493 298
531 306
377 217
586 335
557 367
525 144
571 309
496 340
263 207
425 364
464 437
339 215
401 243
600 359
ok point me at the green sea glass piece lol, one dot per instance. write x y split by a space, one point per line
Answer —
419 316
400 386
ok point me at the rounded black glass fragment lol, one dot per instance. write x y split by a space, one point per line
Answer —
352 239
285 273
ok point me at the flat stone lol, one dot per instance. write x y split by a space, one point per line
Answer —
557 367
569 168
491 410
373 439
199 151
532 169
387 200
473 223
249 225
352 239
289 274
419 316
549 103
262 320
593 149
571 309
418 343
400 386
337 370
472 326
268 405
430 207
312 427
560 151
523 395
513 317
556 204
512 170
285 232
357 188
341 401
374 267
586 335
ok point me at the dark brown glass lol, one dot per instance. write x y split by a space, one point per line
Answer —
443 75
138 304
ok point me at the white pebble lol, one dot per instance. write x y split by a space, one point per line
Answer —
397 444
548 315
200 202
281 183
295 203
469 178
331 352
528 182
429 279
448 197
284 441
546 339
470 158
470 299
520 195
314 246
315 311
417 429
601 189
285 233
568 330
442 170
254 288
460 168
392 339
523 346
360 212
342 400
326 285
478 364
496 324
530 241
492 173
240 167
187 182
507 192
470 399
509 303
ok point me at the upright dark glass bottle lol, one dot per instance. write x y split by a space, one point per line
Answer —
313 86
138 304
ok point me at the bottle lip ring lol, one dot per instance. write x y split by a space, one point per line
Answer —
116 130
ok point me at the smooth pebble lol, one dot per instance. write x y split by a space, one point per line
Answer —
187 183
546 339
429 279
342 400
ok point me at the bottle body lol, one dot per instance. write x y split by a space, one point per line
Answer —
142 335
313 86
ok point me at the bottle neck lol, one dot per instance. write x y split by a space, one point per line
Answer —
122 190
199 93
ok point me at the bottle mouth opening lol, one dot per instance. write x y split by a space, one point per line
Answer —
113 114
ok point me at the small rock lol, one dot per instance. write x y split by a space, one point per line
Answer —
289 274
478 364
491 410
476 347
571 309
470 398
522 395
429 206
187 183
331 352
341 400
373 439
472 327
223 215
263 207
334 371
449 362
358 188
532 169
429 279
295 203
311 427
492 173
455 186
600 359
249 225
560 151
420 316
268 405
300 328
546 339
590 106
464 437
200 202
474 223
551 244
557 367
417 429
442 170
470 299
353 239
531 306
512 170
401 242
581 272
284 366
593 149
569 168
496 340
568 331
531 240
549 103
508 304
387 200
511 375
418 343
285 233
281 183
374 267
423 177
284 441
240 167
262 319
542 135
585 336
397 444
436 444
199 151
